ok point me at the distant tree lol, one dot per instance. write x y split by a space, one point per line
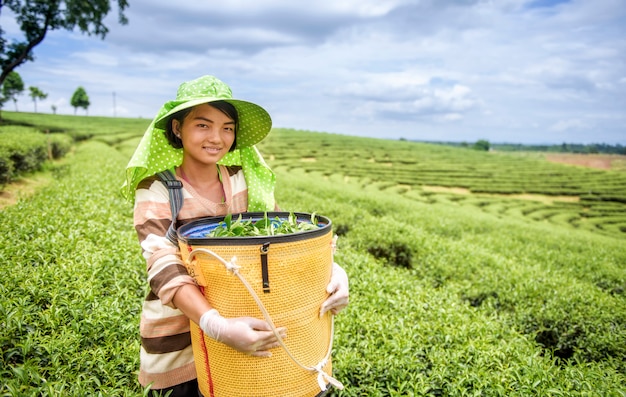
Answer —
54 109
80 99
3 100
481 145
36 93
36 18
12 87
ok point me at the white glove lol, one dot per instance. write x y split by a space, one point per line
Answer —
213 324
245 334
339 291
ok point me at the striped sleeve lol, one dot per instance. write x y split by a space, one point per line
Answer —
152 217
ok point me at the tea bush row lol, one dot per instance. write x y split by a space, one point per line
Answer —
408 167
399 163
446 298
71 285
80 128
452 301
24 149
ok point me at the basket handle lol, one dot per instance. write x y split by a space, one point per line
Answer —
322 377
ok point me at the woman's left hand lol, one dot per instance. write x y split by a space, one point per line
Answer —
338 290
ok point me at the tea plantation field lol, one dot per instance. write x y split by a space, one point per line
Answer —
472 273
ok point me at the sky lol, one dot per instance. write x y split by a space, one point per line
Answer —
507 71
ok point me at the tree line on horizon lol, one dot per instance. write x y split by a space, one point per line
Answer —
13 86
35 20
577 148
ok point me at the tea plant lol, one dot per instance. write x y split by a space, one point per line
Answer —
78 127
455 306
451 294
263 227
24 149
71 285
485 179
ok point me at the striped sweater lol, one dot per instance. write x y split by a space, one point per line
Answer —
166 357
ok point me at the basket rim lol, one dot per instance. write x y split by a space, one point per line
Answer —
326 226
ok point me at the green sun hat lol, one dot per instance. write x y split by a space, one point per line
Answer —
254 121
155 154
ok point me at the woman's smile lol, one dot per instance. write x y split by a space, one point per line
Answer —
207 134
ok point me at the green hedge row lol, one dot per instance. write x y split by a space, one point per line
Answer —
24 149
80 128
72 284
446 299
494 180
449 301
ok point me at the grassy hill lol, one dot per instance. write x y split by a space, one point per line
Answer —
471 273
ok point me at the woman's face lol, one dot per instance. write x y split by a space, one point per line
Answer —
207 134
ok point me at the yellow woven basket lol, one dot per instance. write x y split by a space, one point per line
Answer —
281 279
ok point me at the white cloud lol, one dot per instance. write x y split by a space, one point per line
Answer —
567 125
456 70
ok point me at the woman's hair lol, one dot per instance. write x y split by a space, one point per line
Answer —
225 107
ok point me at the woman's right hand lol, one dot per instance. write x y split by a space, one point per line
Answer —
245 334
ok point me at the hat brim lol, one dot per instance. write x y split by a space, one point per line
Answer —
254 121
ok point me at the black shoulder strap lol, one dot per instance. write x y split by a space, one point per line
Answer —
175 188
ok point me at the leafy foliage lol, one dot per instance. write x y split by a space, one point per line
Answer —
488 306
35 94
113 131
505 184
24 149
11 88
80 99
481 144
36 18
263 227
72 289
492 304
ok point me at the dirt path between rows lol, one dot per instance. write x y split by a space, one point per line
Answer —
23 187
532 197
599 161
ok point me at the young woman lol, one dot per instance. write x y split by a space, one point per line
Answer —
207 138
